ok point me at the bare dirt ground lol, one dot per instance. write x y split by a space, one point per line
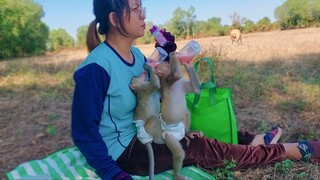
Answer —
25 115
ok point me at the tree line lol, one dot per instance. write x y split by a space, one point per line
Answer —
22 33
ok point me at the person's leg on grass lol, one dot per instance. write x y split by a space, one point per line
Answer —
210 153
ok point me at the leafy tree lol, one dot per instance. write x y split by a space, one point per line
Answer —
225 29
189 20
298 13
176 24
182 22
237 21
212 27
60 39
82 36
249 26
200 28
264 24
215 27
316 13
21 31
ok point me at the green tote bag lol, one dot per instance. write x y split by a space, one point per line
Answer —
212 110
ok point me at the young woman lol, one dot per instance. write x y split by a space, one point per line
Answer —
103 106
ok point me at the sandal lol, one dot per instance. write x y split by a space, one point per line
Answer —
273 136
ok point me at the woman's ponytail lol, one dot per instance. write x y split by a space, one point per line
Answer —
93 39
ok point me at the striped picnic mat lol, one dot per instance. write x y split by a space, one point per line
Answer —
70 164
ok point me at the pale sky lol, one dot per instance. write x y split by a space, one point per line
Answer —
71 14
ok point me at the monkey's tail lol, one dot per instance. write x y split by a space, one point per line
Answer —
151 160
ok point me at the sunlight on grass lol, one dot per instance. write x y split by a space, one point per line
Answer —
32 79
298 96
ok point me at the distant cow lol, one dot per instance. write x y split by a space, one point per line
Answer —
235 35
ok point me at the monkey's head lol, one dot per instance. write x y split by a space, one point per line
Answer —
138 82
163 69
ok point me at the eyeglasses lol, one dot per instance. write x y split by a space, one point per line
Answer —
142 11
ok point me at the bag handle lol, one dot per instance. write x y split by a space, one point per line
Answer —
210 84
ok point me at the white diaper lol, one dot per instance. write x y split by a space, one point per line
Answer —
177 130
142 135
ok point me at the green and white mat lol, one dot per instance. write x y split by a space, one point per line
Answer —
70 164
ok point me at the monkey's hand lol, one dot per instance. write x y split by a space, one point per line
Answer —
148 67
193 134
187 64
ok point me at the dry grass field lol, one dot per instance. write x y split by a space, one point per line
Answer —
274 76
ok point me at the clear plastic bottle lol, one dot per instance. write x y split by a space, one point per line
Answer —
155 31
189 51
157 57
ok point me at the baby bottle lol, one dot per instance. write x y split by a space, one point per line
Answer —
157 56
189 51
155 31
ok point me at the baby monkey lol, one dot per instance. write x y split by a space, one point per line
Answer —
175 116
147 111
